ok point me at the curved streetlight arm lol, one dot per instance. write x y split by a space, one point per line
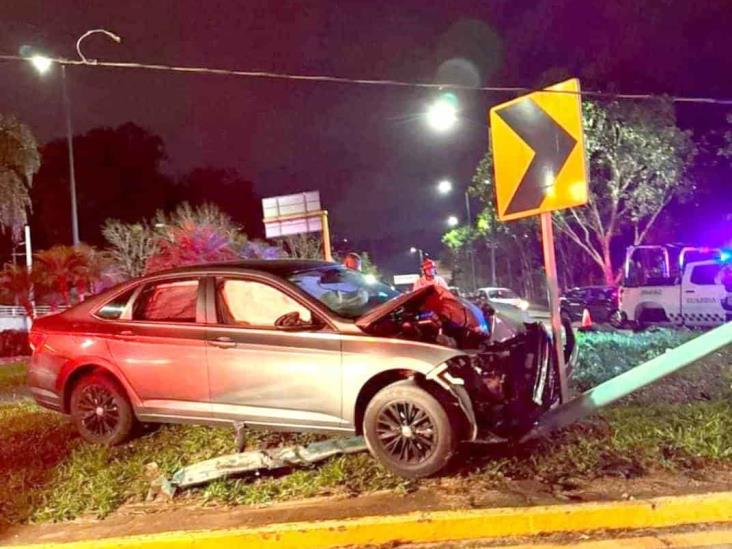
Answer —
110 34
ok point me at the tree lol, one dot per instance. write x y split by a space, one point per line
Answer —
117 170
59 267
218 186
19 161
368 266
638 163
639 160
16 286
303 246
132 244
516 243
94 271
191 236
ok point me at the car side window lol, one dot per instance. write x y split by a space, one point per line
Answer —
167 301
112 310
248 303
705 275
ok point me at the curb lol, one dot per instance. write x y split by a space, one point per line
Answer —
438 526
714 539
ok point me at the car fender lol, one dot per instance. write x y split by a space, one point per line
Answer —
365 358
73 365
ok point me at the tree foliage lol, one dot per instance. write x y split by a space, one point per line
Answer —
639 161
190 236
19 161
303 246
16 286
59 268
131 245
118 170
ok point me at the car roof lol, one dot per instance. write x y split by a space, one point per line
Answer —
278 267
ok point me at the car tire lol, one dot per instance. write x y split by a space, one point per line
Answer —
101 410
409 431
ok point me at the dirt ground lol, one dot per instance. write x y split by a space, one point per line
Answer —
451 494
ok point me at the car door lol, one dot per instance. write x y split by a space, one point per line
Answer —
702 297
159 345
267 372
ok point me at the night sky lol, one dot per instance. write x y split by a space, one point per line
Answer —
366 149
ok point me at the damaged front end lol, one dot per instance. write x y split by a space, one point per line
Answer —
507 375
509 384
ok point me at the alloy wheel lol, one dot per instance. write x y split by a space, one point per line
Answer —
406 432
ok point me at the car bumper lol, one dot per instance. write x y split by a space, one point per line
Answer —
47 399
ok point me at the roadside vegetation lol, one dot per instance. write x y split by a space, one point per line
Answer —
683 425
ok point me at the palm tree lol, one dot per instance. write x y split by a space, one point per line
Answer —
19 161
60 267
94 266
16 286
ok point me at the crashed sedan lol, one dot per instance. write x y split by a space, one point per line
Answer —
294 345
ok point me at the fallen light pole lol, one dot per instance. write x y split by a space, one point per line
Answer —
622 385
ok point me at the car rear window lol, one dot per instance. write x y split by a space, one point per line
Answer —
112 310
167 301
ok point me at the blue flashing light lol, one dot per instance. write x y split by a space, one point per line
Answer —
725 256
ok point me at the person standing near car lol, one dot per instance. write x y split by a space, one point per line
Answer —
429 276
352 261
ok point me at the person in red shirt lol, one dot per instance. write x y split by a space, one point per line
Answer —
352 261
429 276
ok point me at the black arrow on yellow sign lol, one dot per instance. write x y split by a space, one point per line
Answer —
551 144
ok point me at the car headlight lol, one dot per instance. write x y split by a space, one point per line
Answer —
524 305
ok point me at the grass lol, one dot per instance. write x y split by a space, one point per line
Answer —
49 474
12 376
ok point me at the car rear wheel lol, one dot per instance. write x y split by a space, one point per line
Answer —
101 411
409 431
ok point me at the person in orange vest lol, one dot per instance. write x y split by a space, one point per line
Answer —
429 276
352 261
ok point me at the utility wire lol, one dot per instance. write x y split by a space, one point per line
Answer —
367 82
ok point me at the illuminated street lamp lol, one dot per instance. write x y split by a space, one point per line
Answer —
444 186
43 64
442 115
452 221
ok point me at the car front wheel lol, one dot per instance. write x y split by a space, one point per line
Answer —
100 410
409 431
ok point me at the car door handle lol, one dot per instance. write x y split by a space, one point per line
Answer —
126 333
222 342
689 291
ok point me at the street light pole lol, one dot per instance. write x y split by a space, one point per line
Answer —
72 172
471 249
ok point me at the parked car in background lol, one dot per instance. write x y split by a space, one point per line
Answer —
600 301
502 295
294 345
456 291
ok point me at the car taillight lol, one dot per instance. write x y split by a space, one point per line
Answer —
36 340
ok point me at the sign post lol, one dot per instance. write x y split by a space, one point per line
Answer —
540 167
297 214
552 286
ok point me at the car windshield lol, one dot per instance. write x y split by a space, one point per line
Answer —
347 293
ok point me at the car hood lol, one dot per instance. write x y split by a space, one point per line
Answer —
375 315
